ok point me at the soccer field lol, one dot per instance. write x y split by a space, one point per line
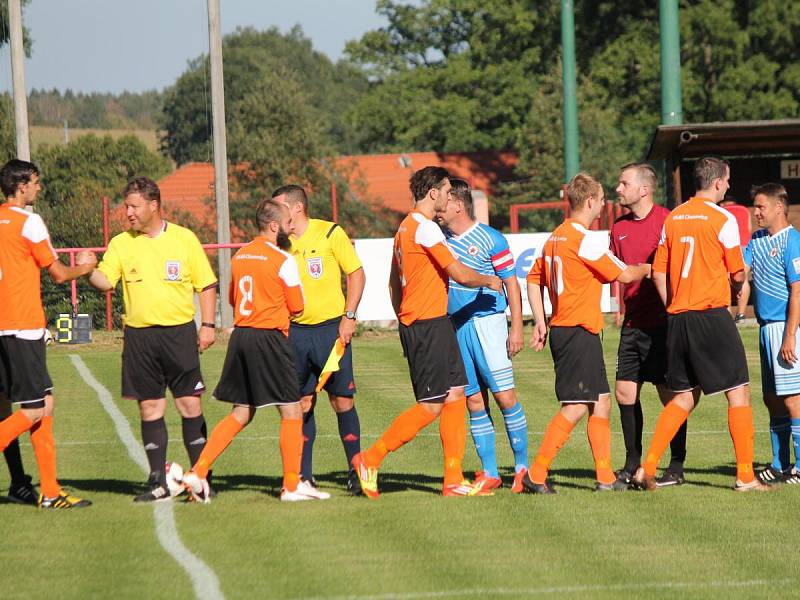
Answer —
699 540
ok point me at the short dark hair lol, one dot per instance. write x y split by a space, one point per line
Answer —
145 187
294 194
707 169
426 179
14 173
645 173
580 188
461 191
268 211
774 191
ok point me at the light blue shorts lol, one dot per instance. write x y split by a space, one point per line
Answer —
482 341
777 376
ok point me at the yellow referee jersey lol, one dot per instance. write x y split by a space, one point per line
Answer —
322 253
159 275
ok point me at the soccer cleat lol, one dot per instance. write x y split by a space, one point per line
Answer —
367 477
353 484
792 477
752 486
198 488
63 500
489 483
643 481
531 487
517 487
306 488
772 476
670 477
623 478
617 485
23 493
465 488
155 493
293 496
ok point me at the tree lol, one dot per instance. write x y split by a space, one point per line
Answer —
5 33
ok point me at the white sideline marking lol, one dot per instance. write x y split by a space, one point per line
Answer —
567 589
204 581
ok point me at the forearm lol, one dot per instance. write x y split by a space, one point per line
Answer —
355 289
99 280
536 301
793 319
395 289
660 281
208 305
514 296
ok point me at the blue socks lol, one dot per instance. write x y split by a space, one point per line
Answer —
780 429
517 429
480 425
795 443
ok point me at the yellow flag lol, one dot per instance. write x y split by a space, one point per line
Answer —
332 364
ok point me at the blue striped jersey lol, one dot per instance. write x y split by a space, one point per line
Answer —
775 264
485 250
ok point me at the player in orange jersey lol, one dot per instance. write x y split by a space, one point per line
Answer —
421 267
259 368
574 265
697 261
24 251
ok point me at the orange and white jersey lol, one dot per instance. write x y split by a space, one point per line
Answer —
699 247
265 286
422 257
574 265
25 250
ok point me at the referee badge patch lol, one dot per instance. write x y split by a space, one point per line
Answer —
173 270
314 267
796 265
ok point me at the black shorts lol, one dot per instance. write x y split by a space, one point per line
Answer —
642 355
434 360
578 361
258 369
312 344
23 371
156 358
704 348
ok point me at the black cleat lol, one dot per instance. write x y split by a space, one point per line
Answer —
353 484
771 476
537 488
23 493
63 500
155 493
670 477
624 479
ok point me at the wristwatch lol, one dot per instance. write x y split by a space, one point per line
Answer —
350 315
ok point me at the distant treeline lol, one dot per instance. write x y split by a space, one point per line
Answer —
95 111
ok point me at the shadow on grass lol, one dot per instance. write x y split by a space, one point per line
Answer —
110 486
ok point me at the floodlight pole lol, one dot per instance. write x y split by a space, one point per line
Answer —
572 162
18 79
669 25
220 161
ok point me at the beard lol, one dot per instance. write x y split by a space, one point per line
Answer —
283 241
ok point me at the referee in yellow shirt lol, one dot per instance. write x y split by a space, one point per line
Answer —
161 266
323 252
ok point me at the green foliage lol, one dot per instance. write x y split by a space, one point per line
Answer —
5 34
94 110
8 142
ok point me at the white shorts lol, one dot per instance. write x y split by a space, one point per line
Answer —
777 376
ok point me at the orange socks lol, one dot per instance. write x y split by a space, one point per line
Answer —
599 431
453 431
740 423
291 442
222 435
556 435
44 448
669 421
402 430
12 427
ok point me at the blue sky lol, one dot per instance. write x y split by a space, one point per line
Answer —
136 45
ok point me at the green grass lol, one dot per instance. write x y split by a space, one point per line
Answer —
43 134
700 540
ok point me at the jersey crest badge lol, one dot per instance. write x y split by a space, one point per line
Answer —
773 252
796 265
314 267
473 250
173 270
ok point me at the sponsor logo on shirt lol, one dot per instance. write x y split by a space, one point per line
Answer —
796 265
314 267
173 270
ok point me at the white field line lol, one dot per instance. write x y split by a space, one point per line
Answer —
204 580
567 589
253 438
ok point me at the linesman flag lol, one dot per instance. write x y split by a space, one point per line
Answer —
332 364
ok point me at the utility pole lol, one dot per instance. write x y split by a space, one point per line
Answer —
18 79
220 160
671 104
572 162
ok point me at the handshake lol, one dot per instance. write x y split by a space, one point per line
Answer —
86 258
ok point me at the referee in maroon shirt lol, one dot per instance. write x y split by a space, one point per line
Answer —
642 354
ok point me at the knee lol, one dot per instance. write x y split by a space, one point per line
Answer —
342 404
307 403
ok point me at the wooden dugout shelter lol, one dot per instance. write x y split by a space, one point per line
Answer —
758 151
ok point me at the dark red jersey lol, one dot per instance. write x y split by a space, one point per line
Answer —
634 241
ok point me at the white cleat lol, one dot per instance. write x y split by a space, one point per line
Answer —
306 488
295 496
198 488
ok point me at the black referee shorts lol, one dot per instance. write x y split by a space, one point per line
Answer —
642 355
23 371
704 348
578 361
434 360
312 344
156 358
258 369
